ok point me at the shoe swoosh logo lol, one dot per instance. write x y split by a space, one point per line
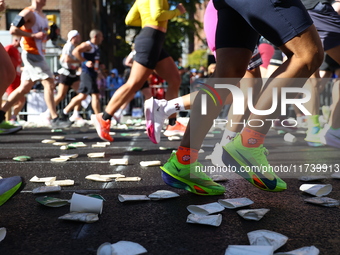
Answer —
271 184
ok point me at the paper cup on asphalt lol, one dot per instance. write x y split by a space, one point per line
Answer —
162 194
323 201
267 238
82 217
127 248
288 137
309 178
212 220
124 198
81 203
318 190
205 209
233 203
2 233
253 214
249 250
307 250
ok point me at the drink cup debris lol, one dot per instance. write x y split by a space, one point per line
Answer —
205 209
81 203
318 190
212 220
252 214
233 203
267 238
124 198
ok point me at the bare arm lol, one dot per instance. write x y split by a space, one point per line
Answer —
83 47
29 21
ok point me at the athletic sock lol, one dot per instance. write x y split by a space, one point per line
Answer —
251 138
2 116
106 116
173 106
313 121
227 136
186 155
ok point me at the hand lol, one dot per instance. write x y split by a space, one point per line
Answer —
2 5
181 8
40 35
89 64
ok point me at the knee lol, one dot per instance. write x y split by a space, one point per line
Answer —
313 60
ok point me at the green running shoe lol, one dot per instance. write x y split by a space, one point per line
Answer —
9 187
189 177
252 164
313 137
8 128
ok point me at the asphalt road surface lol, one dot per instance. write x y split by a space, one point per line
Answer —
159 226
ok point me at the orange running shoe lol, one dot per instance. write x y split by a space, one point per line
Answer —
102 126
177 129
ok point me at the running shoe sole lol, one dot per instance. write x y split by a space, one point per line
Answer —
181 183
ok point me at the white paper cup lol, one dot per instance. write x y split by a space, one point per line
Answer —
288 137
267 238
3 233
124 198
253 214
205 209
233 203
81 203
318 190
249 250
212 220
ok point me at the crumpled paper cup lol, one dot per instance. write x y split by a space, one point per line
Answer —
124 198
233 203
323 201
81 217
318 190
267 238
307 250
52 201
86 204
249 250
121 248
212 220
205 209
335 175
3 233
162 194
252 214
46 189
312 178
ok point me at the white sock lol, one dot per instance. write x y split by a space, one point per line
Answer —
75 113
65 112
118 113
173 106
227 136
47 112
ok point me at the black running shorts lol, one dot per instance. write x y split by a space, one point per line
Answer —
149 47
241 21
88 84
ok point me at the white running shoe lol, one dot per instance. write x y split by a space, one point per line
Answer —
331 136
155 117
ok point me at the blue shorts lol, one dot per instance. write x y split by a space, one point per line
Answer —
149 47
241 21
327 22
